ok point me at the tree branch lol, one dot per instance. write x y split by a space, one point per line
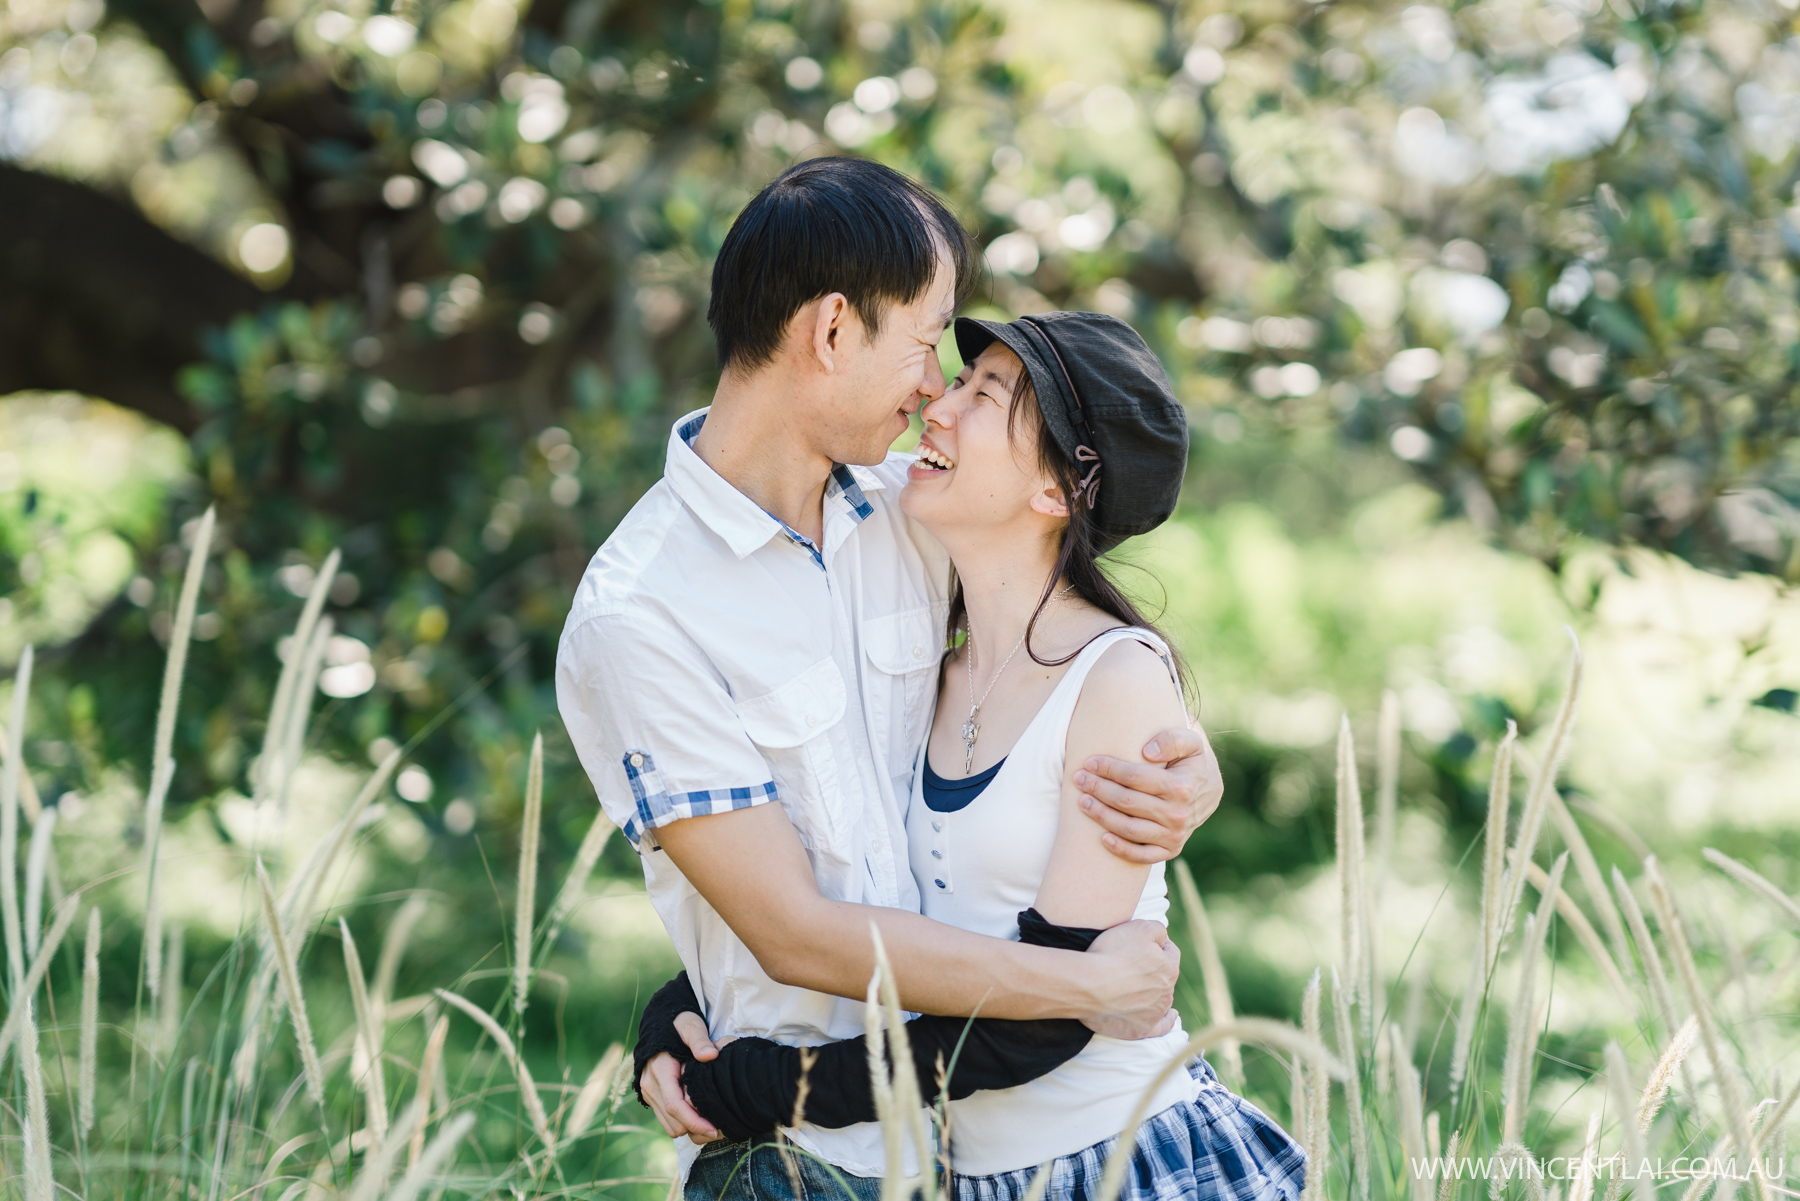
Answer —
96 299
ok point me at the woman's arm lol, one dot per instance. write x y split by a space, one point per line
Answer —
753 1085
1128 696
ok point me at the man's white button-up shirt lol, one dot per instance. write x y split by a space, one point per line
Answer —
715 659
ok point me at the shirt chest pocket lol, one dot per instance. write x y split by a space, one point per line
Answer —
795 728
903 648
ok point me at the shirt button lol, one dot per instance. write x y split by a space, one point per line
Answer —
637 760
939 883
812 719
937 854
937 825
874 846
918 652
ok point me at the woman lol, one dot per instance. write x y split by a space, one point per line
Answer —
1059 438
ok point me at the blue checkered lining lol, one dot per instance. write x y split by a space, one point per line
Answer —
1218 1146
840 474
800 540
853 493
658 807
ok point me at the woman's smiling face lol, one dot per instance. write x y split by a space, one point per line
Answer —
977 468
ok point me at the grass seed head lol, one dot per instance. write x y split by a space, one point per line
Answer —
290 983
369 1036
1493 858
1663 1074
1543 784
90 1023
528 866
425 1169
37 865
40 1182
1318 1096
270 778
393 950
595 1092
430 1074
168 1022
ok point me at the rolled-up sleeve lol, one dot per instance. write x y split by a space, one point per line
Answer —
654 725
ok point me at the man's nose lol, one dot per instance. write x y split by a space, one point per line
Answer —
933 385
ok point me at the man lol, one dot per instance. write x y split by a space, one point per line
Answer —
765 625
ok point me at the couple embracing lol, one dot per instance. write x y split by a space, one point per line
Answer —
823 687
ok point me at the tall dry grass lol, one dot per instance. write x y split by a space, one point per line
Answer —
1481 1076
202 1093
278 1080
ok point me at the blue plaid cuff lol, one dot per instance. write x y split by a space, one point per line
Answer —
657 806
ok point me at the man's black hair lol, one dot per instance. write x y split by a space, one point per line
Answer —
829 225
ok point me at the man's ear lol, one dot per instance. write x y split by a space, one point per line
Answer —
830 316
1049 501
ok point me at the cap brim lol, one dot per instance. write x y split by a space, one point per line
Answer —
974 335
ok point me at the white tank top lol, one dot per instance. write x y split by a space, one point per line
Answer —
980 866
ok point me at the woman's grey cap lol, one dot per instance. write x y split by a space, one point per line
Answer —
1100 388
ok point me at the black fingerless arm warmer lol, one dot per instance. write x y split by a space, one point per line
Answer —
750 1089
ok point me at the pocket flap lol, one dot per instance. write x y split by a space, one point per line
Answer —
905 641
803 708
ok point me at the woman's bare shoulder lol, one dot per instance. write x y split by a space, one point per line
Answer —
1130 683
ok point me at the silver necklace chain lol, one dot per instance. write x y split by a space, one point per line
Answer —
970 729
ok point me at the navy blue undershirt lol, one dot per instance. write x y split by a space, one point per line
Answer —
947 796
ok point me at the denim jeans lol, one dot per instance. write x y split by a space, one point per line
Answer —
752 1170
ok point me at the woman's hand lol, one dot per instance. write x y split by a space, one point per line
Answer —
1148 813
661 1083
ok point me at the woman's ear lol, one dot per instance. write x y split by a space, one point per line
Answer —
1049 501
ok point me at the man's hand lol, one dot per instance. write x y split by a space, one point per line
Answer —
661 1083
1149 812
1140 972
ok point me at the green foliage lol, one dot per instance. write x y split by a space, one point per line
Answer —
1538 251
1536 256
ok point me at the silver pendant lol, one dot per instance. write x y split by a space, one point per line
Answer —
970 732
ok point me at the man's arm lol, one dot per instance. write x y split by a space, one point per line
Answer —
1147 814
750 1086
751 868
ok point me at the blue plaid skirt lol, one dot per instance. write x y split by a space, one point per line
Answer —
1217 1146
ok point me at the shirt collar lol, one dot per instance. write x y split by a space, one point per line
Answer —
741 522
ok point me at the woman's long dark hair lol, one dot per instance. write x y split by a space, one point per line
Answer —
1078 557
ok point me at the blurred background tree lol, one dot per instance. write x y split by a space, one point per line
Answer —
425 280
